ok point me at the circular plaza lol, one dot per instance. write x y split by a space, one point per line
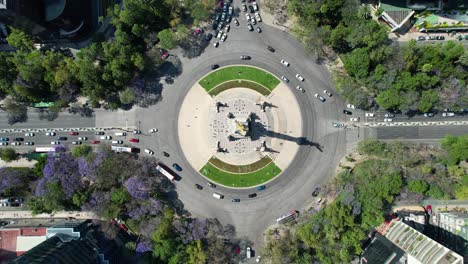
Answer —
239 126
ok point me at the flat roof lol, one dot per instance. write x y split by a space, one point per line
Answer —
25 243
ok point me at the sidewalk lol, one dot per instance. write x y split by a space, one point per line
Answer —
62 214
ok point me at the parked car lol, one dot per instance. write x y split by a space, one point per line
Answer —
248 17
448 114
354 119
245 57
227 28
257 16
230 11
3 143
208 37
285 63
19 139
153 130
440 37
50 134
235 200
73 133
29 134
286 80
244 7
327 93
428 114
250 27
388 120
165 154
177 167
198 186
270 48
212 185
249 253
252 195
4 139
346 112
258 259
316 191
134 140
149 151
255 6
236 21
421 38
223 37
300 89
351 106
299 77
216 44
370 115
389 115
220 33
259 30
318 96
137 132
16 143
260 188
253 20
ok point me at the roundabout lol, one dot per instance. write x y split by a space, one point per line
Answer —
238 136
311 147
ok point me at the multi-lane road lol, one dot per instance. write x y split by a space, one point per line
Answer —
313 164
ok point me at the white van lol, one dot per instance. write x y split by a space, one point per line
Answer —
218 196
120 134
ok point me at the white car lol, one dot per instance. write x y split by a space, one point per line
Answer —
244 7
149 152
258 259
29 134
82 138
29 143
351 106
3 143
448 114
354 119
299 77
249 253
76 142
236 21
223 38
257 16
136 131
55 142
247 17
255 6
300 89
389 115
370 115
50 134
284 79
153 130
388 120
285 63
319 97
15 143
117 142
216 44
227 28
253 20
106 137
250 27
327 93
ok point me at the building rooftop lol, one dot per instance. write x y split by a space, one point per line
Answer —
381 250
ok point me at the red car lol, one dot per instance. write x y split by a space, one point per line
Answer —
95 142
134 140
164 56
73 133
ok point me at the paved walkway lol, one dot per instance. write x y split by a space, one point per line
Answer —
62 214
18 163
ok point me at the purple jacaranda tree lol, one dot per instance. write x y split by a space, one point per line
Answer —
137 188
9 179
191 229
143 247
97 202
152 207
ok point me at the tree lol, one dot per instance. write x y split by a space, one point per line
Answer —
435 192
20 40
418 186
461 192
428 100
371 147
388 99
8 154
196 254
127 96
82 151
463 60
357 63
364 11
167 39
17 112
119 196
457 148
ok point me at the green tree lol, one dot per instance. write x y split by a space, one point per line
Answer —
371 147
388 99
463 60
364 11
428 100
8 154
461 192
39 166
20 40
82 151
163 238
456 171
196 254
457 148
127 96
120 196
167 39
79 198
17 112
418 186
435 192
357 63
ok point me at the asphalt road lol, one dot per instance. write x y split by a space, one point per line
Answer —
63 120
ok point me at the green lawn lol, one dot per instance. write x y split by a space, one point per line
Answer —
240 180
239 72
239 83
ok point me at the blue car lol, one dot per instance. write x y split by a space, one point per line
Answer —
259 188
177 167
4 139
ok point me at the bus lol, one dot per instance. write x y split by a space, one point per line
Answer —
289 217
45 149
165 172
122 149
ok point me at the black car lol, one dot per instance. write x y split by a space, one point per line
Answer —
214 66
218 16
19 139
346 112
62 138
208 37
316 192
211 185
235 200
440 37
252 195
245 57
165 154
177 167
251 9
270 48
198 186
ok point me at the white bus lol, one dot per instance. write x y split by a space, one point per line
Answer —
165 172
121 149
289 217
45 149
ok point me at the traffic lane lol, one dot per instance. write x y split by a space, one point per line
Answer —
419 132
35 120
